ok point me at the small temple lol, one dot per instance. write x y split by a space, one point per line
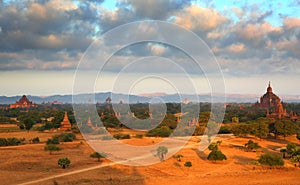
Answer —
23 103
65 124
274 106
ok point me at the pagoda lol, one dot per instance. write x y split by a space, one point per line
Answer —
23 103
65 124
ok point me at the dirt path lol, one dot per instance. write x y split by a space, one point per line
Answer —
68 173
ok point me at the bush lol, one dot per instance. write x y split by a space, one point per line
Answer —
271 160
14 141
251 145
122 136
64 162
54 141
224 130
188 164
69 137
3 142
140 136
35 140
161 132
51 148
216 155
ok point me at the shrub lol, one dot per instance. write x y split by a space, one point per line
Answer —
161 132
271 160
69 137
64 162
35 140
251 145
224 130
51 148
188 164
54 141
14 141
122 136
98 155
216 155
140 136
3 142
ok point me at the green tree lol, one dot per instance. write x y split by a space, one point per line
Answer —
291 148
296 159
28 122
250 145
51 148
161 151
64 162
271 160
283 151
179 156
259 129
216 155
188 164
284 128
98 155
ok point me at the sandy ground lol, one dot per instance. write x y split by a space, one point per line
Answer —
27 163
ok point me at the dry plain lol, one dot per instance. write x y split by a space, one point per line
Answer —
30 164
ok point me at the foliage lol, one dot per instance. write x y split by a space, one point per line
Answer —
11 141
250 145
98 155
51 148
140 136
224 130
188 164
284 128
64 162
298 136
179 156
161 132
259 129
296 159
216 155
54 141
67 137
161 151
271 160
121 136
35 140
240 129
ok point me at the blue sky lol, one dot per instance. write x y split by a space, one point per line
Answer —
42 42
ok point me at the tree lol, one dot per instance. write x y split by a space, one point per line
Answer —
298 136
161 152
284 128
64 162
28 122
296 159
291 148
250 146
179 156
188 164
259 129
271 160
98 155
51 148
216 155
283 151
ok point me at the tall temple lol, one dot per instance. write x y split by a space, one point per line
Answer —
23 103
65 124
273 105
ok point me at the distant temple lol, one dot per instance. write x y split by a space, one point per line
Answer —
23 103
272 103
65 124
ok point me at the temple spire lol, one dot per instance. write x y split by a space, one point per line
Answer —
269 89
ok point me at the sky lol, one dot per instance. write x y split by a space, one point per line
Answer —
43 41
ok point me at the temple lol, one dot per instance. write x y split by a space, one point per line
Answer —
65 124
273 105
23 103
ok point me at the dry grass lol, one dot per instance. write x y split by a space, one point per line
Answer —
19 164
